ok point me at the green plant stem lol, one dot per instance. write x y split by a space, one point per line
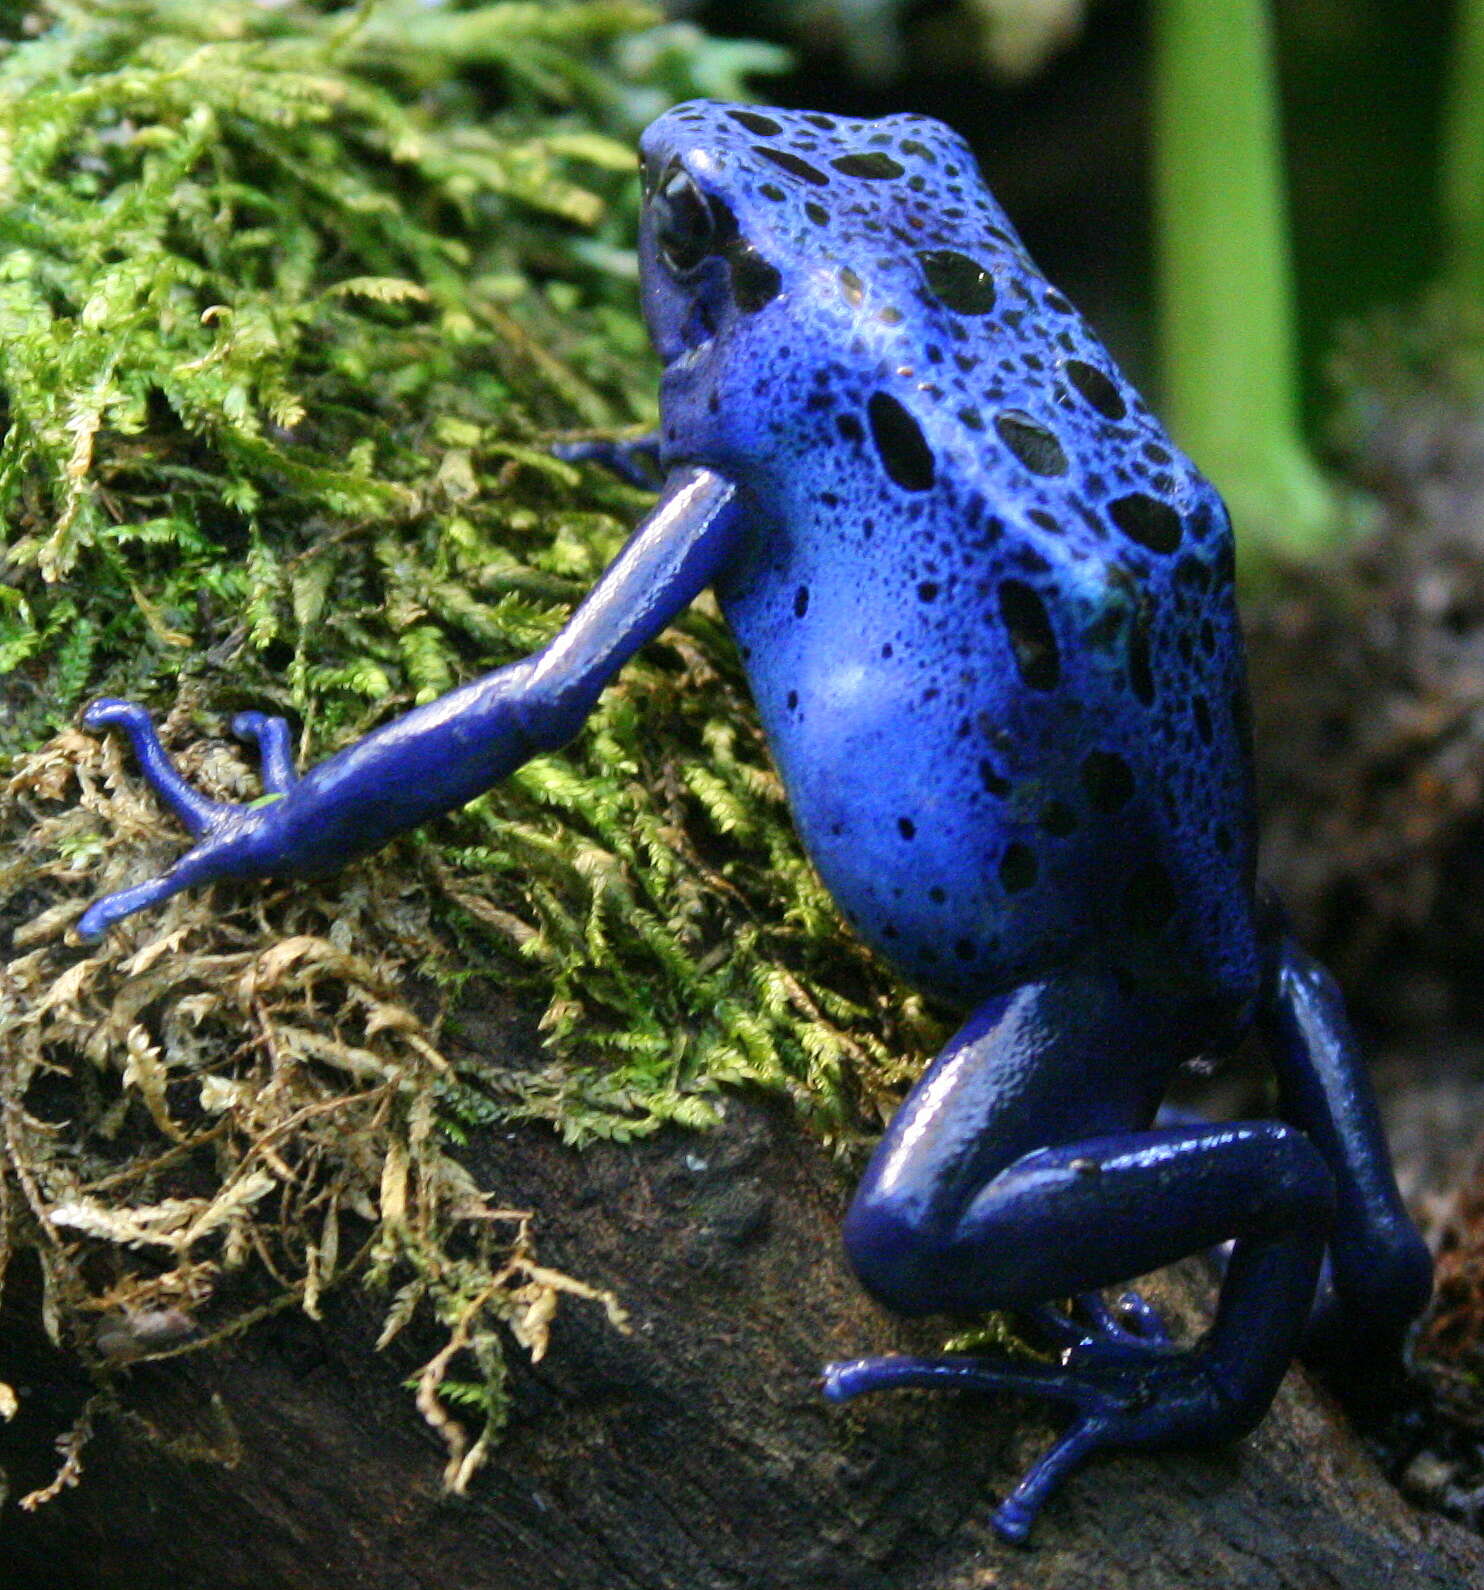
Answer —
1226 310
1463 156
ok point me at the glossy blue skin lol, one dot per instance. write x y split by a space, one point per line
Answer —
986 609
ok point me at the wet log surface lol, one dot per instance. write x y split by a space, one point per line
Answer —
693 1452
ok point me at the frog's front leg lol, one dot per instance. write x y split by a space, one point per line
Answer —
1378 1272
445 753
1018 1172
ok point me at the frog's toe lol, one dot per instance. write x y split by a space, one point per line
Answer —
195 810
109 710
102 914
1139 1317
1013 1518
206 862
634 460
1129 1321
275 744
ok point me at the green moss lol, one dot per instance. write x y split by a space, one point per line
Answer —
293 305
292 300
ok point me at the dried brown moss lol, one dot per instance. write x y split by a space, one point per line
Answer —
204 1122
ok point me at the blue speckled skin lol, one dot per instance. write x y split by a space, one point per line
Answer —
944 792
986 609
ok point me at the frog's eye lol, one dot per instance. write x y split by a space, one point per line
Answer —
685 227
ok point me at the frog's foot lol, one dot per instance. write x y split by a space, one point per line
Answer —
635 461
220 827
1128 1321
1121 1396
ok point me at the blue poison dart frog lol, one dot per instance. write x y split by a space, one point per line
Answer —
986 610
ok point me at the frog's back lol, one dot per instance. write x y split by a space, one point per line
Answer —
987 610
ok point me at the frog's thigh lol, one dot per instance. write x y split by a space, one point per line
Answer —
1017 1172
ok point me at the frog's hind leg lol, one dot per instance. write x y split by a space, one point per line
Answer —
1017 1172
1378 1272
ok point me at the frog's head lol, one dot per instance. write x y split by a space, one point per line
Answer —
709 258
780 249
746 206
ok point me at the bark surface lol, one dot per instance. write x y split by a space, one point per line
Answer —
693 1452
